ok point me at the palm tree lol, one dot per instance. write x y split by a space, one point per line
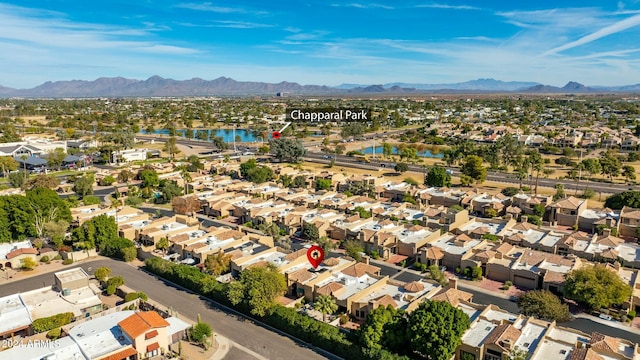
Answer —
326 305
186 178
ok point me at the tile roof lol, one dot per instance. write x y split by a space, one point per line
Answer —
434 253
501 333
140 322
603 342
360 269
568 203
122 354
585 354
301 275
329 289
452 296
18 252
385 300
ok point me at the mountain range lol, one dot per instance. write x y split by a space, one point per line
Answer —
160 87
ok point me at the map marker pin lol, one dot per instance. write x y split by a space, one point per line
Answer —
315 255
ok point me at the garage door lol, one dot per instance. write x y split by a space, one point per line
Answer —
524 282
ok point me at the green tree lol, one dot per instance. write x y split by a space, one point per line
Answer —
354 249
437 177
629 198
194 163
401 167
163 244
326 244
129 253
247 166
362 212
387 149
300 181
325 305
258 287
47 206
55 158
83 185
435 329
591 167
610 166
474 169
17 179
219 143
310 231
124 176
218 263
559 192
517 354
169 189
171 147
107 181
629 173
200 333
260 174
7 164
287 149
384 328
115 281
323 184
597 287
543 304
149 178
102 273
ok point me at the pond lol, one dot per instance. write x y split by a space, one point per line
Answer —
394 150
226 134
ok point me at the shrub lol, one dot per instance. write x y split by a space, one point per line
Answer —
344 318
44 259
507 285
588 194
51 322
136 295
67 261
53 334
631 314
57 257
111 289
510 191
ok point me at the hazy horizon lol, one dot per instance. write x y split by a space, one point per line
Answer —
321 43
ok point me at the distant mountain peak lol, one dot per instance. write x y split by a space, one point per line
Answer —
157 85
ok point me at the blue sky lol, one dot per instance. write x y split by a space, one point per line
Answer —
321 41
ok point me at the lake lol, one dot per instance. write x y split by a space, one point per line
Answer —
226 134
394 150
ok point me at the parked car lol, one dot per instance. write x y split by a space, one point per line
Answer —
605 317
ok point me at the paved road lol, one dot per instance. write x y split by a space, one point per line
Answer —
268 344
375 165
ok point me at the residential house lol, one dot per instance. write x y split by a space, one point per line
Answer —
629 223
567 211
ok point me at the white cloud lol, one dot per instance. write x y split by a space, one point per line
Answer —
614 28
365 6
446 6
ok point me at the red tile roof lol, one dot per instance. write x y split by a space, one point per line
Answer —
152 347
140 322
124 354
19 252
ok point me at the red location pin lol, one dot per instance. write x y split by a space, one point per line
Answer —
276 134
315 254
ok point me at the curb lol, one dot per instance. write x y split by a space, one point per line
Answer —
239 314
